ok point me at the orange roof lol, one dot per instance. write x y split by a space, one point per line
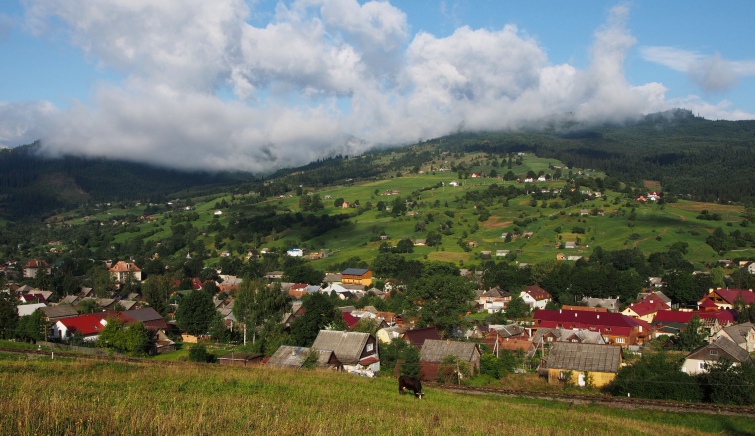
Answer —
123 266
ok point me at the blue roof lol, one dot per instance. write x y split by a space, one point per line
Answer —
355 271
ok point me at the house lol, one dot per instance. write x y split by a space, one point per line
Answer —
646 308
417 337
698 360
295 252
229 283
581 336
742 335
332 278
388 334
433 353
612 304
356 351
33 266
585 308
501 339
614 327
671 322
123 271
28 309
356 276
54 313
32 298
88 326
148 316
591 364
494 300
726 298
535 297
287 356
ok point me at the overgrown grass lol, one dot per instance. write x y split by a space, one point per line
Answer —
82 397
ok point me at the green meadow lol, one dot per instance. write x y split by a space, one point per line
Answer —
62 396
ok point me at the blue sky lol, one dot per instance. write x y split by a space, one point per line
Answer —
257 85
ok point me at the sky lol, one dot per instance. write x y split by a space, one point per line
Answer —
260 85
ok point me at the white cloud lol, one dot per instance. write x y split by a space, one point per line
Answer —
23 122
320 77
711 73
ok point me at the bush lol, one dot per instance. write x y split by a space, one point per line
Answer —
198 353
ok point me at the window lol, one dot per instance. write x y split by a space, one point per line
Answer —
714 352
701 365
369 347
561 375
620 340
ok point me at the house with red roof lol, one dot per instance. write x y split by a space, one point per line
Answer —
417 337
614 327
88 326
646 308
122 270
349 319
726 298
297 290
671 322
34 265
535 297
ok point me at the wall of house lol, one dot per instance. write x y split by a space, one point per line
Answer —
578 378
692 366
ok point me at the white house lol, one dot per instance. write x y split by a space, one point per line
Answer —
295 252
535 297
88 326
697 360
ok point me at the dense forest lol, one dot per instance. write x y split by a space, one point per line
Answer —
690 156
31 185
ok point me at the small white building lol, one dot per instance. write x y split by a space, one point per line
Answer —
698 360
535 297
295 252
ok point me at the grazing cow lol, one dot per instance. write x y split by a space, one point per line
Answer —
413 384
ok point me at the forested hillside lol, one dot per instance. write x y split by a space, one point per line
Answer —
691 157
33 186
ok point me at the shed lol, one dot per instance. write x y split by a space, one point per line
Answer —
587 363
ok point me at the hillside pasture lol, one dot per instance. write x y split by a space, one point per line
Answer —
93 398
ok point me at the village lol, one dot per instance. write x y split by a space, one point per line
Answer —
584 344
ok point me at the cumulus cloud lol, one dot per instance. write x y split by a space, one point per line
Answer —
319 77
711 73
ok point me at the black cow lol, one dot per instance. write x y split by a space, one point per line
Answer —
413 384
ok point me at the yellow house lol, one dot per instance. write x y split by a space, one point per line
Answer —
582 364
356 276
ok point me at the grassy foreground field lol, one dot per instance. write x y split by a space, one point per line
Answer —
97 398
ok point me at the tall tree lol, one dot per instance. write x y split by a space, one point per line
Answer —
444 300
195 312
320 313
8 315
256 302
693 335
156 291
517 308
